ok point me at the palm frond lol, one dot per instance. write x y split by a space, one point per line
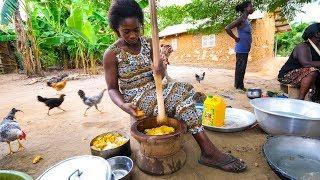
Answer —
7 11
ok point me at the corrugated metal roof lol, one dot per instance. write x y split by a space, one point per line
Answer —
176 29
181 28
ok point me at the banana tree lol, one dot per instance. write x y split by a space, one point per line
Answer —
25 42
51 36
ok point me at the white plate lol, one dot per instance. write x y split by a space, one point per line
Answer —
236 120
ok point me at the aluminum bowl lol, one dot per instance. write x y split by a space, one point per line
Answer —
121 167
124 150
278 116
254 93
293 157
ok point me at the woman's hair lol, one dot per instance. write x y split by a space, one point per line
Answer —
121 9
241 7
311 31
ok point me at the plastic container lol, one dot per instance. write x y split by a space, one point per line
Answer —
214 111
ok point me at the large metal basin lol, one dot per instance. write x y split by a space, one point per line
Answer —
278 116
293 157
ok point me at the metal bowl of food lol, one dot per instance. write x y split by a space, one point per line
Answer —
293 157
254 93
121 167
111 144
278 116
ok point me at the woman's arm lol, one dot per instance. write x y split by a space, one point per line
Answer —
111 76
233 25
161 69
303 53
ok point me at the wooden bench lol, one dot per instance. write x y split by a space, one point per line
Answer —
292 91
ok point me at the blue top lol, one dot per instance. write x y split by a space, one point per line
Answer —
245 35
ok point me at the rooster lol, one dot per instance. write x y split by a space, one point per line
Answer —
200 78
52 102
91 101
56 79
11 131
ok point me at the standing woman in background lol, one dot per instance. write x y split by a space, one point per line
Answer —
243 41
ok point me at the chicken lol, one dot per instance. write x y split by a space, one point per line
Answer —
52 102
91 101
11 131
59 85
200 78
165 52
56 79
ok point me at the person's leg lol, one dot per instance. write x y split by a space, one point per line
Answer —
237 71
316 92
241 65
179 103
307 83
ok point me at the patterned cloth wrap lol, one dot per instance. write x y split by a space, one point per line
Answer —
137 86
295 77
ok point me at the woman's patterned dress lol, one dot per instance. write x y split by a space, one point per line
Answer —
136 83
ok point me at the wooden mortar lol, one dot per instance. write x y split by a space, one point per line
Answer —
159 155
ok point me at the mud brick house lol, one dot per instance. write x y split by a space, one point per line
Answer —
217 50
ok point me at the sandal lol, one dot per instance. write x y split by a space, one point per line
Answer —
221 165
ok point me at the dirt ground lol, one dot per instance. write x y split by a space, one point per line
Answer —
66 134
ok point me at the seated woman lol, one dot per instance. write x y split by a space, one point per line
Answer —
303 67
131 86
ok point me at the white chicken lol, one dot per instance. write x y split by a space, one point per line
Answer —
11 131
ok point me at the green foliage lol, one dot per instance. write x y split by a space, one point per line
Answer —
7 11
171 16
220 13
7 36
288 8
71 33
287 41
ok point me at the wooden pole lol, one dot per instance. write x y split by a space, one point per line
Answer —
156 61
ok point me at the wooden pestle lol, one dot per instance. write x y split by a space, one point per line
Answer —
156 62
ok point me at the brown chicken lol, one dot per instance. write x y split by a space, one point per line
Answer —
59 85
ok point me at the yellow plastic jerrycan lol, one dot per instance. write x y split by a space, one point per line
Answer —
214 110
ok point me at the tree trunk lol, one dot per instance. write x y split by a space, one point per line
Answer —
35 56
22 44
93 65
35 51
65 61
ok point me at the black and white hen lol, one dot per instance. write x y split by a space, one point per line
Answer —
200 78
11 131
91 101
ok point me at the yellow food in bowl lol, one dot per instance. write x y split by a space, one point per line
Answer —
108 141
158 131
